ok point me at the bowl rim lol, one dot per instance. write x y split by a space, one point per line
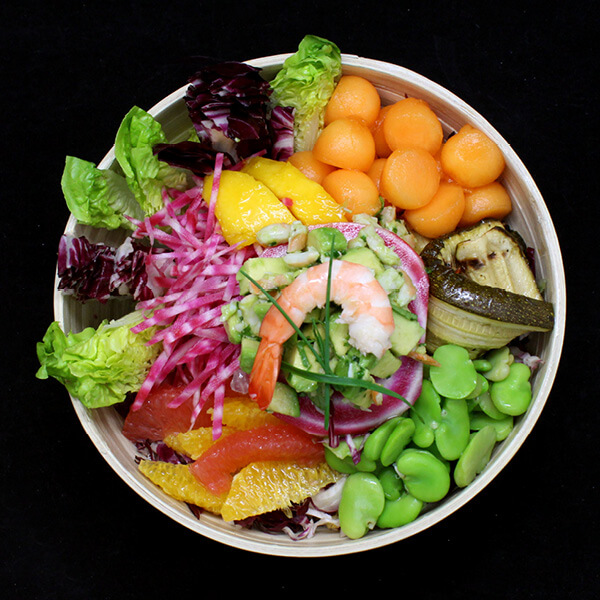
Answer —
268 544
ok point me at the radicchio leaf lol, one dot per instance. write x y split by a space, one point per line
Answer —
97 271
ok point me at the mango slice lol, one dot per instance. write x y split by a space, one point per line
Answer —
244 206
311 204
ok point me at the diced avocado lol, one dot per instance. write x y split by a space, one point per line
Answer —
347 367
233 322
407 333
247 304
386 255
284 401
263 269
248 353
322 239
301 357
366 257
338 334
394 283
386 366
261 308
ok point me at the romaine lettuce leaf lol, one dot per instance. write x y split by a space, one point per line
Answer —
305 83
98 366
146 175
98 197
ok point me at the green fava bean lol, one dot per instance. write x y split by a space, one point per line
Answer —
481 365
500 360
456 376
391 483
397 441
425 477
482 386
452 436
485 404
342 465
401 511
426 415
475 456
375 442
361 504
512 395
503 426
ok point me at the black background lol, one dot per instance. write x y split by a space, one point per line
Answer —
70 528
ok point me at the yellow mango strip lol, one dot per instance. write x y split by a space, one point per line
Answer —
311 204
244 206
262 487
178 482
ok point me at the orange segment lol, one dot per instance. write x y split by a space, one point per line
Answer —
179 483
194 443
243 413
266 486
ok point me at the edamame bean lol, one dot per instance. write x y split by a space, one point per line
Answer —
377 438
500 360
452 436
456 376
512 395
274 234
475 456
502 426
424 476
397 441
401 511
361 504
391 483
426 415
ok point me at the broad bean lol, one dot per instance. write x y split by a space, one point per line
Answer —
391 483
500 360
424 476
455 377
426 415
512 395
361 504
403 510
503 426
397 441
475 456
375 442
452 436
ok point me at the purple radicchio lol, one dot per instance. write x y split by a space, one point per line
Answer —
97 271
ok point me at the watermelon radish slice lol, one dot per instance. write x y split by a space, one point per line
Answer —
348 419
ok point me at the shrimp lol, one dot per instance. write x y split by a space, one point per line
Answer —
366 310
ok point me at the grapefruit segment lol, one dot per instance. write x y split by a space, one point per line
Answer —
216 466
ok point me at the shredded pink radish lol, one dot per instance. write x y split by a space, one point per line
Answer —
194 276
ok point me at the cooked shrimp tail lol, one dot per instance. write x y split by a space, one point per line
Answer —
265 372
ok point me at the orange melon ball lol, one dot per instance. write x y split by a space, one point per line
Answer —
441 215
353 97
346 144
306 162
376 170
471 158
354 190
490 201
412 122
409 178
382 149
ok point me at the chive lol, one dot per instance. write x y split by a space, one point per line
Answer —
287 317
340 380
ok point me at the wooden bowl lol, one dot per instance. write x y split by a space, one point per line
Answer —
530 217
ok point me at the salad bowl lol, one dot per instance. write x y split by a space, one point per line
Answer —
530 217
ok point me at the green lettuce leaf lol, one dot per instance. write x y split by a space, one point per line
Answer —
306 82
146 176
98 197
98 366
